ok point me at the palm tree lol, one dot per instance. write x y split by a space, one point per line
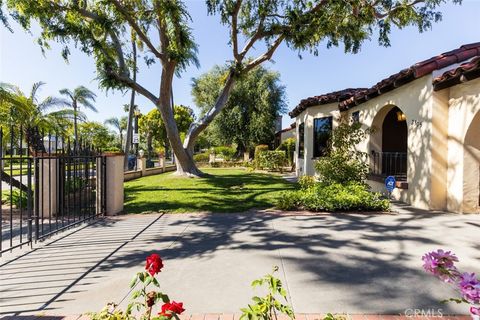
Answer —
120 125
81 96
26 112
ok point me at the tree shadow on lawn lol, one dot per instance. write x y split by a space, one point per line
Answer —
222 193
360 254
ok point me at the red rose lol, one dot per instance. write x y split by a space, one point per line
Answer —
169 308
154 264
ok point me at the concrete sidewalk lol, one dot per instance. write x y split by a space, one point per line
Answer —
345 263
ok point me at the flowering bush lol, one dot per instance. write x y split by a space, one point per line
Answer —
441 264
144 300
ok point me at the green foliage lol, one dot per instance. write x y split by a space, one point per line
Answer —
343 162
352 196
330 316
202 157
274 302
251 111
17 199
226 152
288 145
271 160
110 312
152 128
256 156
27 111
289 200
306 182
97 134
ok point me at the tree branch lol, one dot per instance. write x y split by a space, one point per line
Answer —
238 4
266 56
197 127
138 30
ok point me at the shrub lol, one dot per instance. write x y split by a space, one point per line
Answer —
352 196
306 182
289 200
343 163
201 157
226 152
16 200
271 160
288 145
258 149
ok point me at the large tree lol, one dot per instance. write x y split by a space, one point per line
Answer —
102 29
153 129
95 134
250 114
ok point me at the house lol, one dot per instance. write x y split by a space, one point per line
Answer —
426 122
284 134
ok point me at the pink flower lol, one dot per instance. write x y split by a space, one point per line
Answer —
475 311
441 264
470 287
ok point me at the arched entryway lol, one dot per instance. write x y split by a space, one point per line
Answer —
471 167
389 142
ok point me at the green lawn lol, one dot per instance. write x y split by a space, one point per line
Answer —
226 190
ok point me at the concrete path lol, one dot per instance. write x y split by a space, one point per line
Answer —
345 263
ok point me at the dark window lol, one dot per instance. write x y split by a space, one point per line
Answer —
301 140
356 117
322 130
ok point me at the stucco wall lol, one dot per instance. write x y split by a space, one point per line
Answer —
463 169
306 166
287 135
415 100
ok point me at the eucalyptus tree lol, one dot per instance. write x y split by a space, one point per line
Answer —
102 29
79 97
120 124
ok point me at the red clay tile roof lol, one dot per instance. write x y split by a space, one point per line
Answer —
331 97
465 72
349 98
292 126
416 71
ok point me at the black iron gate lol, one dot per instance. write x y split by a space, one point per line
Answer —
46 192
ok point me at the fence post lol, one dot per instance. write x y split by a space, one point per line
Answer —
142 165
48 186
110 179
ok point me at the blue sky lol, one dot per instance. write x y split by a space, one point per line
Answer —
22 63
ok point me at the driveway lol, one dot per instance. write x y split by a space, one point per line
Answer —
353 263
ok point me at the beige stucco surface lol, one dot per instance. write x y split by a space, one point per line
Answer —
443 166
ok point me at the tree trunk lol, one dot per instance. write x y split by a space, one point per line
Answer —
75 128
128 138
197 127
184 160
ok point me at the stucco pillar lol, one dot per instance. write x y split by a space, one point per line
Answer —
211 158
161 163
48 168
246 156
142 165
112 182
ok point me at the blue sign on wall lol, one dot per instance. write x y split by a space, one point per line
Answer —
390 183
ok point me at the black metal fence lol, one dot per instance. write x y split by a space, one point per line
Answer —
385 164
47 185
